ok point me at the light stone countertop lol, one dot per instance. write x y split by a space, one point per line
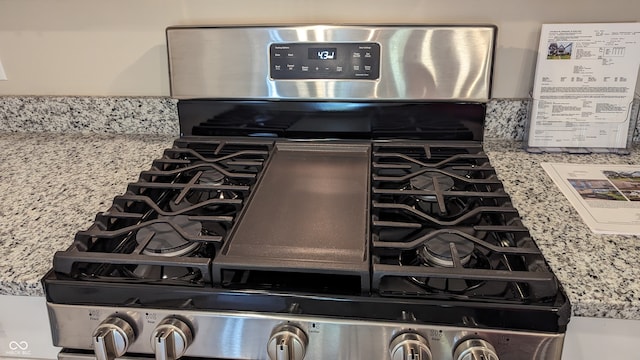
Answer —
52 185
600 273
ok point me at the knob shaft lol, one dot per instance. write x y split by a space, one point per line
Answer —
112 337
409 346
171 338
475 349
287 342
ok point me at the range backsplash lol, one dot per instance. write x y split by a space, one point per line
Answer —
158 115
506 118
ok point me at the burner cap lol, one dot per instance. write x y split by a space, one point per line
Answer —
208 177
425 181
436 252
166 241
211 177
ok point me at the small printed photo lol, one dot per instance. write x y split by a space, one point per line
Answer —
596 189
559 50
633 195
624 180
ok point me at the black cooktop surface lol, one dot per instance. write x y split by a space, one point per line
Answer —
370 227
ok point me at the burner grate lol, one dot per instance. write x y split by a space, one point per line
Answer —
442 226
169 224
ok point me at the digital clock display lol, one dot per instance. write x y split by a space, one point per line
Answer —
323 53
324 61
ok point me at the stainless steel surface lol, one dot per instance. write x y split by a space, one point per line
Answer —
416 62
475 349
67 355
287 342
246 335
171 339
409 346
112 337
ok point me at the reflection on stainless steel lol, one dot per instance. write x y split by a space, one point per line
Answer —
415 63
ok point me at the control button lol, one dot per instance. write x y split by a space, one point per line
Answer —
367 54
339 68
112 337
277 55
287 342
367 68
409 346
356 67
475 349
290 55
356 54
305 68
290 67
278 67
171 338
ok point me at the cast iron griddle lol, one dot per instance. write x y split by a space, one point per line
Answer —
309 214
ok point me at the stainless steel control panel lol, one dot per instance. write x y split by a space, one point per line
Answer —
325 61
165 334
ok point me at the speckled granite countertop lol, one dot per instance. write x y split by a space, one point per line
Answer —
52 185
600 273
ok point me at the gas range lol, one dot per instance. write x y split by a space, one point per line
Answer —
341 209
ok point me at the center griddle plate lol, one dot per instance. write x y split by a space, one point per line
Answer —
308 215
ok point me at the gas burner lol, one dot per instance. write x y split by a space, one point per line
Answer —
453 206
438 251
427 182
211 177
166 241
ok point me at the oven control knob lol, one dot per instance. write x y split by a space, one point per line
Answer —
475 349
171 338
287 342
112 337
409 346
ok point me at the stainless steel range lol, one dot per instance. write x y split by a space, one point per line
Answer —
329 198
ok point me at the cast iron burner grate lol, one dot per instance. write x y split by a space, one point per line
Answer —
443 227
169 224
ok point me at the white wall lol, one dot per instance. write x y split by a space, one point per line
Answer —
600 338
117 47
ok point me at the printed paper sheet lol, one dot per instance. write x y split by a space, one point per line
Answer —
584 85
607 197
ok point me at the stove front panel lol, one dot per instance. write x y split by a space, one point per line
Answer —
247 335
